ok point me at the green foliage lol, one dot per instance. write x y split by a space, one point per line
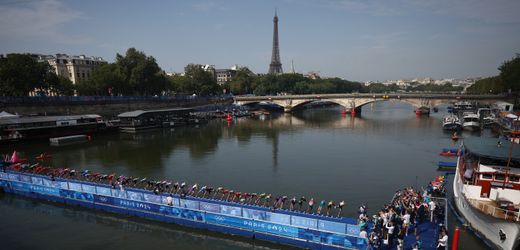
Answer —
199 81
490 85
430 87
142 75
510 74
21 74
296 84
507 80
242 82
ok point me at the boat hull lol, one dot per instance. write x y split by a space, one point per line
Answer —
485 225
452 126
471 126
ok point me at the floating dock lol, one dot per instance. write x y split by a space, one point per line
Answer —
59 141
280 226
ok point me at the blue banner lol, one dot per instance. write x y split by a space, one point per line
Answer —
181 213
4 176
278 218
309 234
136 196
210 207
45 190
272 228
136 205
25 178
152 198
76 195
75 186
3 183
21 186
353 229
335 239
103 191
227 221
189 204
103 199
88 188
37 180
118 193
254 214
14 177
332 226
192 215
304 222
231 210
61 184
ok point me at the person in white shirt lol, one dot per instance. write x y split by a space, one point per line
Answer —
169 200
443 240
390 237
406 221
432 209
363 234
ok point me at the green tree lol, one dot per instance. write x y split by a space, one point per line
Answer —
200 82
21 74
141 73
490 85
59 85
242 81
105 79
510 74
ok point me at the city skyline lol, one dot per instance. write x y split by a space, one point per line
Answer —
355 40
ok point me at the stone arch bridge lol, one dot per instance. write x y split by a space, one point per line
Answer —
357 100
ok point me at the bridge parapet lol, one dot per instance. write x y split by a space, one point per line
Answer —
357 100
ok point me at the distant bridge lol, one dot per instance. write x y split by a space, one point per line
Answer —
357 100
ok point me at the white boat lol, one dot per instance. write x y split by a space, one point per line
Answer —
462 106
471 121
486 191
487 117
451 122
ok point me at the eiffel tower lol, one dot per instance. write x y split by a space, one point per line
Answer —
276 66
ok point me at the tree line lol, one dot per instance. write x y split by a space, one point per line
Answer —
137 74
507 81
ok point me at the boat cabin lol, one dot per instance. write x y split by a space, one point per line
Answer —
143 119
490 173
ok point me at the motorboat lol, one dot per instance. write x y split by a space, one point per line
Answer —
471 121
487 117
451 122
486 190
423 110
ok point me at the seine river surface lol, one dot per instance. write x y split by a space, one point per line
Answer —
315 153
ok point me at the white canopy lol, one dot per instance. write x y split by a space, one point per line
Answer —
512 116
4 114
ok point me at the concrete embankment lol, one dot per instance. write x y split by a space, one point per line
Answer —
103 108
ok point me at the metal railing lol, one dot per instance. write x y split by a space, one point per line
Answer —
495 211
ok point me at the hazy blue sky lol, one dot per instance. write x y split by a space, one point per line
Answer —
354 39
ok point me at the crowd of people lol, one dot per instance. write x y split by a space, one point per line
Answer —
395 221
301 204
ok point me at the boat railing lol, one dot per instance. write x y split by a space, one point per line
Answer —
495 211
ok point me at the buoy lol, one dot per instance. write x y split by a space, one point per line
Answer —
455 244
228 117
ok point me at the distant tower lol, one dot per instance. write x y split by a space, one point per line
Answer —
276 66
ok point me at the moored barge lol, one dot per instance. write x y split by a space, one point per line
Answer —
280 226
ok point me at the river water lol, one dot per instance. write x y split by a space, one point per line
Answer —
315 153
